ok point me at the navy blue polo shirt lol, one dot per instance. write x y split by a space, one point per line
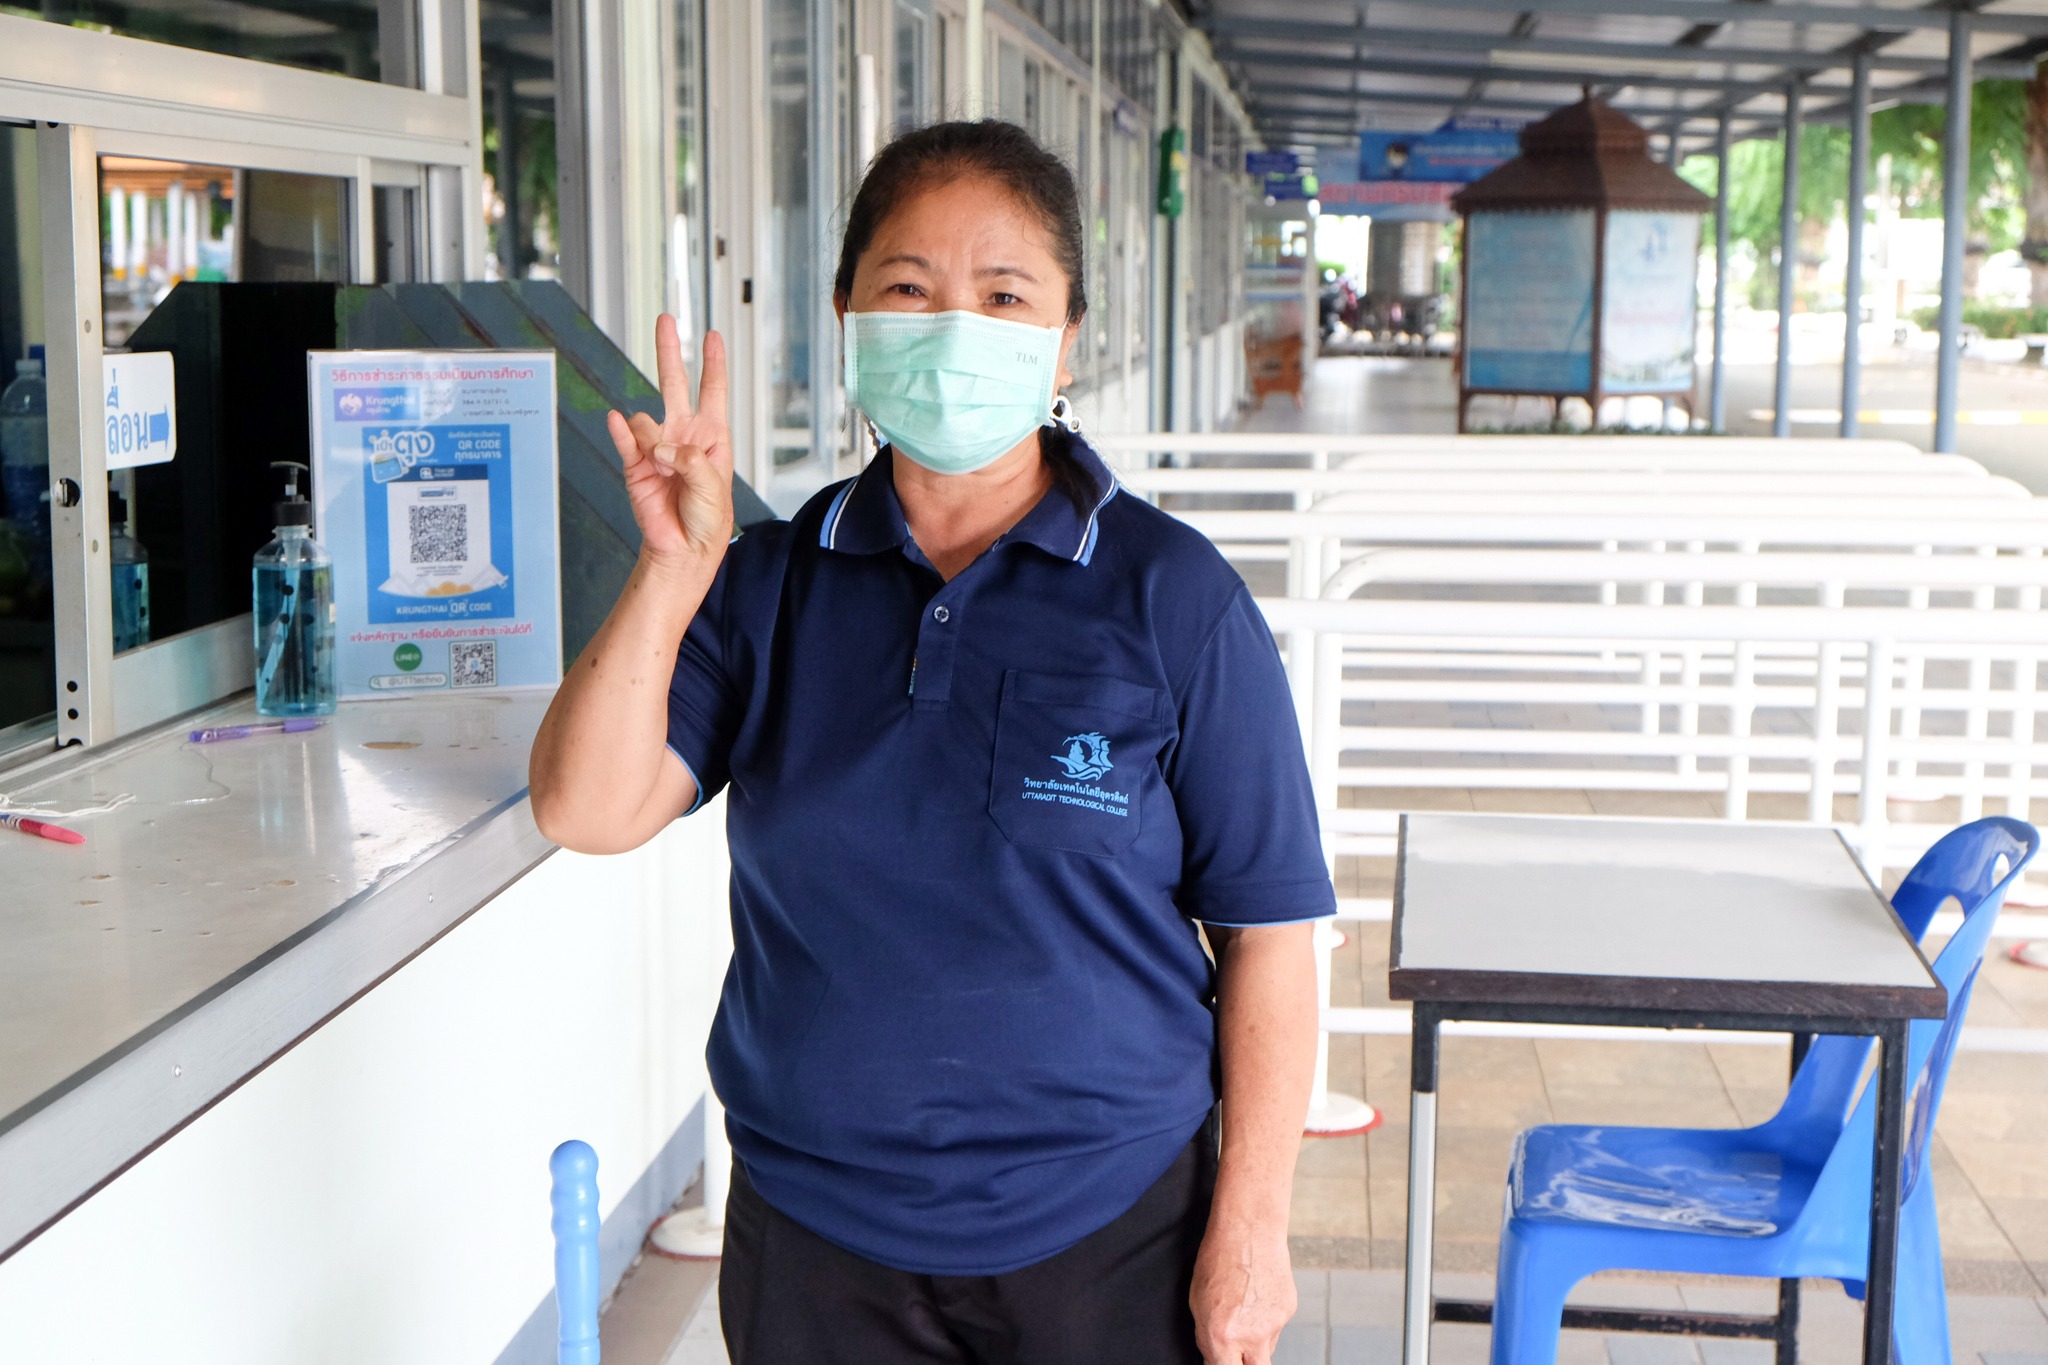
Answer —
968 1019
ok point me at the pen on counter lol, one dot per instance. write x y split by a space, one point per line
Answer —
41 829
274 727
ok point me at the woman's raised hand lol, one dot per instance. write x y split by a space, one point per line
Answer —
679 471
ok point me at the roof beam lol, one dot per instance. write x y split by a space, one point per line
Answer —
1791 12
1227 30
1481 69
1515 104
1262 111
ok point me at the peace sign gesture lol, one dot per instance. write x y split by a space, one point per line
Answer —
679 472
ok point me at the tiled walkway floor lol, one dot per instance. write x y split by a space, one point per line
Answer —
1353 1317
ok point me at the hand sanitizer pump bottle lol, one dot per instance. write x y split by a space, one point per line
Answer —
294 580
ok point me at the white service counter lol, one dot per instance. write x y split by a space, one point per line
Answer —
285 1045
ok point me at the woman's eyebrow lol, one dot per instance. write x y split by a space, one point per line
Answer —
904 258
987 271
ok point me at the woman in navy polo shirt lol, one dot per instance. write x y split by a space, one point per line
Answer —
994 740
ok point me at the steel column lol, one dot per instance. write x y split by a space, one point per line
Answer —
1788 264
1852 294
1955 187
1717 391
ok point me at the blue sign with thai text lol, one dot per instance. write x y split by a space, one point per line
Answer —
1459 152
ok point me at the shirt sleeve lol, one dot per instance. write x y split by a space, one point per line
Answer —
1252 853
704 701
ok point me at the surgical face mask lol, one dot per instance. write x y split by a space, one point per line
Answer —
953 391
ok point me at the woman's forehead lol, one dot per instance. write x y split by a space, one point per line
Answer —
967 216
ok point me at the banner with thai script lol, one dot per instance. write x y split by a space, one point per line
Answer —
1457 152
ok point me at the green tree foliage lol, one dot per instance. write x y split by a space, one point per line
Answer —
1911 135
1756 181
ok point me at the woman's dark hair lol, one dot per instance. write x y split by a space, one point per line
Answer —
1002 152
1011 157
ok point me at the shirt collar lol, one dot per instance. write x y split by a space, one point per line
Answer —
866 518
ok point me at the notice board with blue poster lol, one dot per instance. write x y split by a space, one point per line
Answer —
1529 301
434 484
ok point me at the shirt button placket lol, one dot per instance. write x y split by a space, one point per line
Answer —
935 646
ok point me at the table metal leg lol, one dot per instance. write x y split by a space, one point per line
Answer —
1419 1306
1888 1168
1786 1330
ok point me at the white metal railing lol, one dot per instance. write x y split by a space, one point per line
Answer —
1734 702
1731 613
1314 544
1319 487
1323 451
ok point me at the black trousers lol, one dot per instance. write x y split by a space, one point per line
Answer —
1118 1297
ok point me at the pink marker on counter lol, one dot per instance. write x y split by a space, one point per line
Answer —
42 829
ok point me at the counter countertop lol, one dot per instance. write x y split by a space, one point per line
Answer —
244 892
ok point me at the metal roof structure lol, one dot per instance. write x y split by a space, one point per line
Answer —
1321 71
1317 71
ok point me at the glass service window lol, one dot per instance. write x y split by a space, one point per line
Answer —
521 220
791 233
912 95
366 39
28 639
162 224
165 222
689 264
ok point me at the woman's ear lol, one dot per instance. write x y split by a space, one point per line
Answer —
839 302
1067 339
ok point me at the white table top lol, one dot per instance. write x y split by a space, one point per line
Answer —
1613 911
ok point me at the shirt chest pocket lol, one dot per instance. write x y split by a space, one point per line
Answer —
1073 756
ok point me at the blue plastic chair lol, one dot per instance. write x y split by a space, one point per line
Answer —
1787 1199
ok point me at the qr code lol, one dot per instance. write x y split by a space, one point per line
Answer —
439 532
473 663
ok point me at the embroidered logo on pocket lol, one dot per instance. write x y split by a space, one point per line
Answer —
1086 758
1086 761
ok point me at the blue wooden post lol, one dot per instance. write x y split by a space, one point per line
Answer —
574 1167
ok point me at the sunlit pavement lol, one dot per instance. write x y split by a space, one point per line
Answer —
2004 402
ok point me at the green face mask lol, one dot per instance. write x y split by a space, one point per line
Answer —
953 391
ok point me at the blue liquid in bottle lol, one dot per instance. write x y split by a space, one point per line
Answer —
294 613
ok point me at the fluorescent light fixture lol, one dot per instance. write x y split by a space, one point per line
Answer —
1577 69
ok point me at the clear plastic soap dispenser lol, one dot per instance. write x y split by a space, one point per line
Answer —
294 609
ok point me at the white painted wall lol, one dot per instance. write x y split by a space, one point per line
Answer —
380 1192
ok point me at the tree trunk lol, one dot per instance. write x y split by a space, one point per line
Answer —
2034 250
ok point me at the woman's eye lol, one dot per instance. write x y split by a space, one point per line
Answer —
909 291
1001 300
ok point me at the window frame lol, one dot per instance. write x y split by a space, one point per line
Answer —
89 94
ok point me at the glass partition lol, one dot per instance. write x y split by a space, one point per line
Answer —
521 223
367 39
913 87
165 222
792 229
689 280
28 660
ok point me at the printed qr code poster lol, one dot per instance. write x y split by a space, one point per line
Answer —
434 481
